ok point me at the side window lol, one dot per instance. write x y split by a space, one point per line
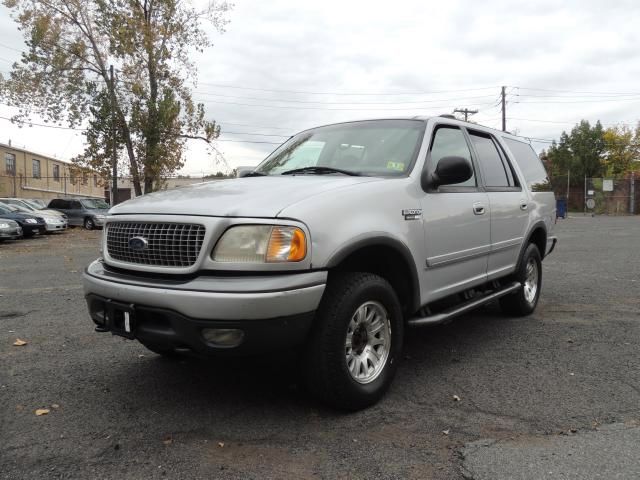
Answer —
450 141
55 203
496 173
75 205
530 165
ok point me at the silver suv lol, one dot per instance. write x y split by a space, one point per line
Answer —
345 236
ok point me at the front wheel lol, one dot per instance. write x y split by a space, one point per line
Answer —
88 223
529 274
356 342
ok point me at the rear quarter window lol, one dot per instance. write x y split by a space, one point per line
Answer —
530 165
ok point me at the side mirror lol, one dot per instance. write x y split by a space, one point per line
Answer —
449 171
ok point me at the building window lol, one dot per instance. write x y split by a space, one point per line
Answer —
95 180
72 177
10 163
56 173
85 178
36 168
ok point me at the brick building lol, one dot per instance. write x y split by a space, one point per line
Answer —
26 174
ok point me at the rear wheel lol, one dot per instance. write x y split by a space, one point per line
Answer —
354 347
529 274
88 223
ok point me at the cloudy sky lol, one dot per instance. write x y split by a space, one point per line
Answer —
285 65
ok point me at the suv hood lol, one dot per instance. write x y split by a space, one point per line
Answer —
261 197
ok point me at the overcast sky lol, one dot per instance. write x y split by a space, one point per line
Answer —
285 65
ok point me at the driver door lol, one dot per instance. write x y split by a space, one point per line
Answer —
456 223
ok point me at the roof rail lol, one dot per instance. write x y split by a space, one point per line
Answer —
448 115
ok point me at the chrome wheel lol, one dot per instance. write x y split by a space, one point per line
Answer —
368 342
531 281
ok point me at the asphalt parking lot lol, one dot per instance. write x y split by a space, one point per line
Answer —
535 394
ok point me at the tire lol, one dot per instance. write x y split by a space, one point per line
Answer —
529 273
88 223
163 351
354 303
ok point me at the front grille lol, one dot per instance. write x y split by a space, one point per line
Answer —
168 244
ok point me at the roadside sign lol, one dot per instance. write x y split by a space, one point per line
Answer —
607 185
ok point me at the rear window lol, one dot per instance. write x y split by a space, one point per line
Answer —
530 165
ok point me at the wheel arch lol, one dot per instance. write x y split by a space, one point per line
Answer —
385 256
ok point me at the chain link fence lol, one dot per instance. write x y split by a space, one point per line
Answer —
600 196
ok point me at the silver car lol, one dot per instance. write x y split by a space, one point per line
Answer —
339 241
55 221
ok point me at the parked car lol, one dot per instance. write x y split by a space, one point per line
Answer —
38 201
87 212
55 220
30 224
345 236
9 230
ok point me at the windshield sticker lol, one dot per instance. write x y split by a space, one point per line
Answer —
399 166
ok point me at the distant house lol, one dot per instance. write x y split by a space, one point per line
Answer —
26 174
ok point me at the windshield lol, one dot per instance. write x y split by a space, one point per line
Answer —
4 208
33 205
95 204
384 148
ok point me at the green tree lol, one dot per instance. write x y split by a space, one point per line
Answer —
582 151
620 150
64 77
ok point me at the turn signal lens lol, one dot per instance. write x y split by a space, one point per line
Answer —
286 244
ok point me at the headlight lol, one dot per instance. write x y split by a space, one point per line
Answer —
261 243
4 225
30 220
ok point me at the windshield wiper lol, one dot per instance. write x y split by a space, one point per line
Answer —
254 174
321 171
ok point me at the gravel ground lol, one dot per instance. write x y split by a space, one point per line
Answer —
119 411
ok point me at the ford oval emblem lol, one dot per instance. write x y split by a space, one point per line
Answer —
138 244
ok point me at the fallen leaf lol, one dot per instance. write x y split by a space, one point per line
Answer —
19 343
221 444
168 440
456 398
55 405
141 356
569 341
572 374
445 432
42 411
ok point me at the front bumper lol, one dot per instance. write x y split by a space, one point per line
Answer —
272 310
55 226
10 233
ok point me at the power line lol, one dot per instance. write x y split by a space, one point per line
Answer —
343 93
576 91
444 106
457 99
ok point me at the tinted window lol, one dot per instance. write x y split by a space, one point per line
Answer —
75 204
494 171
450 142
531 166
56 203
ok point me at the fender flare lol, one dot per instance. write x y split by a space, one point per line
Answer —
382 241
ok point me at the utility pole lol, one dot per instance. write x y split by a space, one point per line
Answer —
466 112
114 154
504 109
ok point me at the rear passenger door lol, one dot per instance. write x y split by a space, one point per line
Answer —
508 201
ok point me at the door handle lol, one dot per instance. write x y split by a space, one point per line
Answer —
478 208
524 206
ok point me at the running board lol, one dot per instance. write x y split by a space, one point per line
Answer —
464 308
